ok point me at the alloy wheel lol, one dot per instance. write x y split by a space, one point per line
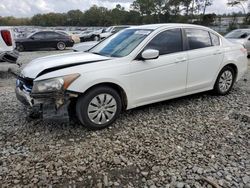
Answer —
225 81
102 109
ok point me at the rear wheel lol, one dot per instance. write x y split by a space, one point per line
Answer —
99 108
19 47
225 81
61 46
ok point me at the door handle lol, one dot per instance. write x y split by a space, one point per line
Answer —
182 59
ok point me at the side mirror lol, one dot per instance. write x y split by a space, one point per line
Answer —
32 37
114 31
150 54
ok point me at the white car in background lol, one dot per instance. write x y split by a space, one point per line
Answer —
241 36
112 30
138 66
7 45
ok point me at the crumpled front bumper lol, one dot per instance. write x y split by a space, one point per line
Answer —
24 97
51 106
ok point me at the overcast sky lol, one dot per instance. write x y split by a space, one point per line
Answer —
27 8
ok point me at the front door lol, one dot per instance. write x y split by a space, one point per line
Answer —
159 79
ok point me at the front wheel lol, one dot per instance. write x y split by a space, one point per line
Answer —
60 46
99 108
225 81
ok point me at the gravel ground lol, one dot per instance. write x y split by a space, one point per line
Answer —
178 143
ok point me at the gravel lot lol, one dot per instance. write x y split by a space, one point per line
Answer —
178 143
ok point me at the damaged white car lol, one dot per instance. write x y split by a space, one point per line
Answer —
135 67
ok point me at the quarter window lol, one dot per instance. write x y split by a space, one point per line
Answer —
167 42
215 39
198 38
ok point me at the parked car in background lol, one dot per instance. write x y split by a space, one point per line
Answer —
135 67
241 36
44 39
74 37
111 30
84 46
90 35
7 45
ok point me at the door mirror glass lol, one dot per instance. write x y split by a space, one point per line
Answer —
150 54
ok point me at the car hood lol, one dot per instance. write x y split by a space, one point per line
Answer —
84 46
48 64
105 35
239 41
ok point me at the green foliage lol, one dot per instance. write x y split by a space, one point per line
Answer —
142 12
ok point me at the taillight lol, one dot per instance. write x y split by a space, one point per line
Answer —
6 35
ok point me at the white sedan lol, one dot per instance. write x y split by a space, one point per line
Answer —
134 67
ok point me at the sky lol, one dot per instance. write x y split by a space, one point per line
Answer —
28 8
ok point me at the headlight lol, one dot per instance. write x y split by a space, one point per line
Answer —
54 84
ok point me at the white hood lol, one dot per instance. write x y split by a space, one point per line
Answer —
239 41
38 65
84 46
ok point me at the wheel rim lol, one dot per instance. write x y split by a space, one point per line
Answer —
102 109
96 38
20 47
226 81
61 46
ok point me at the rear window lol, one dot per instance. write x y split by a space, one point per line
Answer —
198 38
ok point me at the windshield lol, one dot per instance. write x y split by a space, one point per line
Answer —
238 34
122 43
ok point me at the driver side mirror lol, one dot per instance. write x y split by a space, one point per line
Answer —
32 37
150 54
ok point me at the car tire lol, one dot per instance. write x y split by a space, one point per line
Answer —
19 47
98 108
96 38
61 46
225 81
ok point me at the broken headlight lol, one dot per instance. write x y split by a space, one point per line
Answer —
54 84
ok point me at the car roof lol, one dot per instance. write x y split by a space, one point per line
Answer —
166 25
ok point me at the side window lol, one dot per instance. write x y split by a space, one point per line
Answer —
167 42
52 35
198 38
38 36
215 39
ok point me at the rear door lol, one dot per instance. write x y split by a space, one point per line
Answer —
52 39
205 56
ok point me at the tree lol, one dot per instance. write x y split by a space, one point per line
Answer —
237 3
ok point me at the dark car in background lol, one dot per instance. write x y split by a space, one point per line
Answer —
90 35
44 39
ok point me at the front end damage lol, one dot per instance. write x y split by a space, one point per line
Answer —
50 105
